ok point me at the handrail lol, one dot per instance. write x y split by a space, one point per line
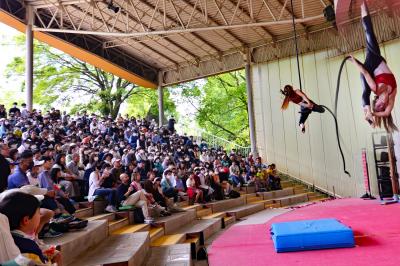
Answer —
216 142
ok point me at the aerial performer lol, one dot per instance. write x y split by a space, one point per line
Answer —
376 77
298 97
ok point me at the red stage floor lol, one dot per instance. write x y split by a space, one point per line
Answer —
376 228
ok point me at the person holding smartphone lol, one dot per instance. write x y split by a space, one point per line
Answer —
96 179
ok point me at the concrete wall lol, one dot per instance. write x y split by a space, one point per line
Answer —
314 156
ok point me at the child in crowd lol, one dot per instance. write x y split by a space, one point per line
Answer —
24 222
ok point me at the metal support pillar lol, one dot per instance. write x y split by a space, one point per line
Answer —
250 107
160 99
29 58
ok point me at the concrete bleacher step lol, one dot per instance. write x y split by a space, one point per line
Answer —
95 233
277 193
265 202
204 212
133 228
84 212
215 215
193 207
291 199
245 210
125 249
155 233
177 220
194 242
272 205
316 197
178 254
117 224
206 228
222 205
253 197
229 220
167 240
104 216
287 183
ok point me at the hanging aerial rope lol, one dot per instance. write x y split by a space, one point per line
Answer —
307 106
296 45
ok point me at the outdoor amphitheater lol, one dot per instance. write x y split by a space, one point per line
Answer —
316 182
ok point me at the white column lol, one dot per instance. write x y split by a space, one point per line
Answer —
29 58
160 99
250 107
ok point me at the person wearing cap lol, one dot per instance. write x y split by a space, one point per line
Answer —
19 177
33 173
5 169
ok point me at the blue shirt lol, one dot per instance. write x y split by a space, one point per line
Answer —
17 179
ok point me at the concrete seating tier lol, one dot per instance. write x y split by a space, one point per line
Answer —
277 193
245 210
124 250
72 244
167 240
223 205
170 255
291 199
204 228
173 222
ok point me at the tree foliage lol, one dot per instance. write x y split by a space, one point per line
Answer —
222 105
67 81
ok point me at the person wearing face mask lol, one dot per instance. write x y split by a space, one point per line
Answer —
15 110
168 188
19 177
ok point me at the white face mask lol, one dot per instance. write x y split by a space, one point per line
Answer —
96 159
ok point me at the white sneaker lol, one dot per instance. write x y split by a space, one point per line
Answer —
111 209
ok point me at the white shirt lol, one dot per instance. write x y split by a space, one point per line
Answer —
94 183
8 249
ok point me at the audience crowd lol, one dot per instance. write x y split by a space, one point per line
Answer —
50 161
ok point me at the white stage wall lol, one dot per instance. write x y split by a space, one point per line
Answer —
314 156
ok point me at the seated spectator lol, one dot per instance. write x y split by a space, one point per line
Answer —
234 174
167 187
156 208
129 196
34 172
96 180
216 186
274 182
61 196
67 178
19 177
195 194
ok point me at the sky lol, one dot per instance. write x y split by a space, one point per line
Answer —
7 53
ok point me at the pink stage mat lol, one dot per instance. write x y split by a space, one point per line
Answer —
376 228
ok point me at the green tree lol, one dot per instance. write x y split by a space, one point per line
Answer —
144 104
65 80
222 105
